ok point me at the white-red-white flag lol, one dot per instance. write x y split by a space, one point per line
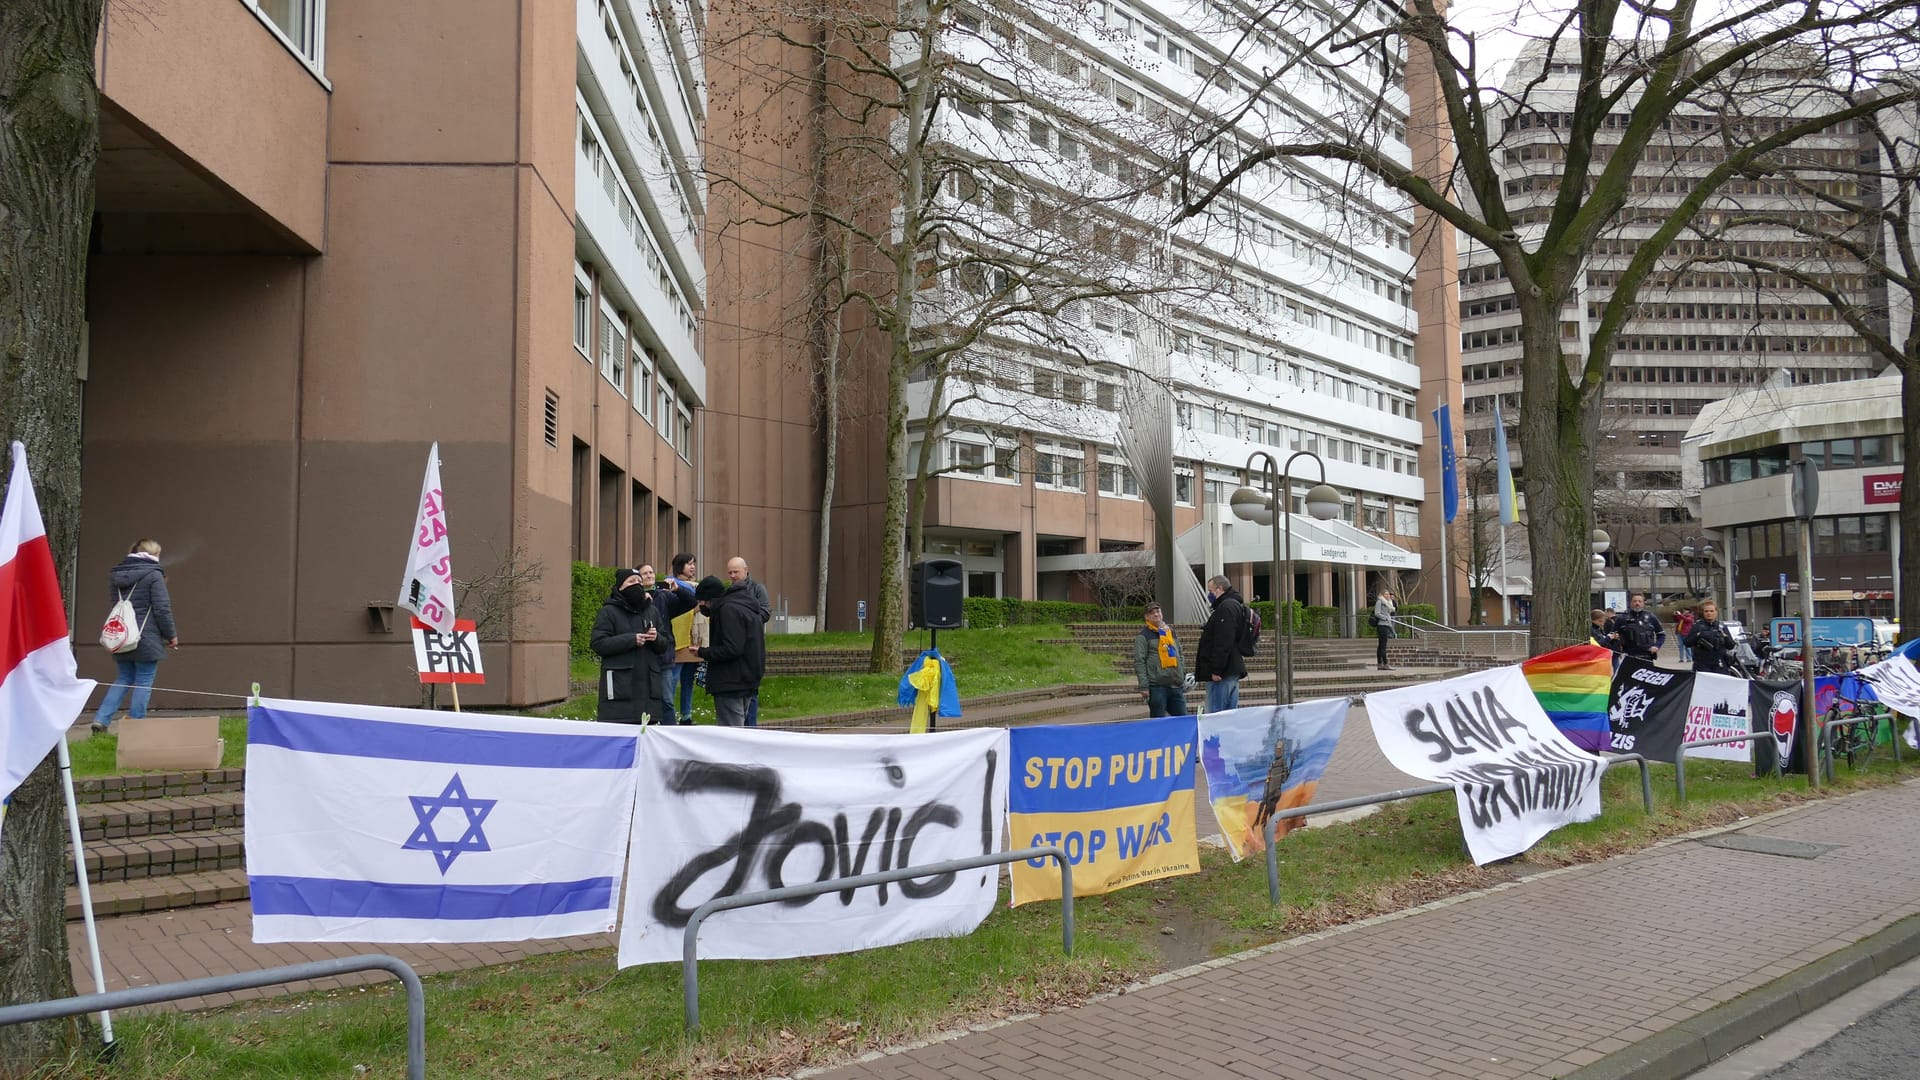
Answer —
427 589
40 691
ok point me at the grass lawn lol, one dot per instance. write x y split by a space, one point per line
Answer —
575 1016
984 662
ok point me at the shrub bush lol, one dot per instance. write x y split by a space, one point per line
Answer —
1318 621
1425 611
988 612
591 587
984 612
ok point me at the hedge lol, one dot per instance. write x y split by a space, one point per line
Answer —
1308 620
1425 611
591 587
990 612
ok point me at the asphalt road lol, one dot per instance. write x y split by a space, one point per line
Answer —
1869 1034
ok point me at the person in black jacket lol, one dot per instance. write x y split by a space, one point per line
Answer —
1637 631
139 579
635 643
736 651
1712 643
1217 663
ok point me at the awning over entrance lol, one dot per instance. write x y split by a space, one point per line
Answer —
1329 542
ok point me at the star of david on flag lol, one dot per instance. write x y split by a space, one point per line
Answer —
401 825
428 807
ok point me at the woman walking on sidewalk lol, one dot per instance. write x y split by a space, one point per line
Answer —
1383 606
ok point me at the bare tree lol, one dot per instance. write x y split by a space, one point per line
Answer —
1604 85
974 214
49 143
1119 586
495 599
1853 218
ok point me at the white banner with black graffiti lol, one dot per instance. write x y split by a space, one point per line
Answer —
1896 682
729 811
1517 778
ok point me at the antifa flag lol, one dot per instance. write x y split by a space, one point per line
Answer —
1647 710
1775 707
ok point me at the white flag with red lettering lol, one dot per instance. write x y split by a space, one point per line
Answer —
40 691
427 590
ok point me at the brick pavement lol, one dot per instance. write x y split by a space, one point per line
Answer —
1530 979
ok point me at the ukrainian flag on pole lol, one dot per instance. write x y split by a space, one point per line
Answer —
1509 509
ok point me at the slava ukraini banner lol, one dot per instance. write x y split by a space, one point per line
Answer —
400 825
1117 798
1515 775
728 811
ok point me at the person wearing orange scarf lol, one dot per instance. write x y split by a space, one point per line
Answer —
1156 663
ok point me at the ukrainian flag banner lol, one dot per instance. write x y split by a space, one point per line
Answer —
1117 798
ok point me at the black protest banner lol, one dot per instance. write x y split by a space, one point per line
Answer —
1775 708
1647 710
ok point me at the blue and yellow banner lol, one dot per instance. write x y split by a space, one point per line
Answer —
1118 798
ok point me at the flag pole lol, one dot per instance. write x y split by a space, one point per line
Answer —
455 687
86 893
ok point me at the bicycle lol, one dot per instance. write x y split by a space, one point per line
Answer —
1848 738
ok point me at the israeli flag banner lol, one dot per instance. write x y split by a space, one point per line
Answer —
373 824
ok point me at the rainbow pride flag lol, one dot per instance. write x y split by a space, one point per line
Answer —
1572 685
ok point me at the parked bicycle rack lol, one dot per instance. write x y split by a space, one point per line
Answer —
690 939
1273 823
247 980
1826 739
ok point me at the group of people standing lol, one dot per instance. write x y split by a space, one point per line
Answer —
1637 632
1220 659
645 665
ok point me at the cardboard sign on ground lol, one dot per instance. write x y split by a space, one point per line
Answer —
170 742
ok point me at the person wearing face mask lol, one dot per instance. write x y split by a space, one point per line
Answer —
634 641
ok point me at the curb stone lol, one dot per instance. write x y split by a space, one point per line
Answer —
1694 1044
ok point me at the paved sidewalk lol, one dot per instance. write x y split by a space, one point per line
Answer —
1531 979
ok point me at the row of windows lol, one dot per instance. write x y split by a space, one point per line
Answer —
1826 454
603 167
1728 312
1744 280
1344 446
1740 344
1845 534
627 68
631 366
1742 375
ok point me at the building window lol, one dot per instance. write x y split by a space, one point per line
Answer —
582 318
613 349
301 24
1406 521
668 401
645 365
973 452
1116 479
1183 485
1058 465
683 432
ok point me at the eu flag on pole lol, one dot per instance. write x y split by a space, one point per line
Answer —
1449 481
1509 512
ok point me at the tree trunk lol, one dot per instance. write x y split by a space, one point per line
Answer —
49 142
1909 526
830 421
1557 436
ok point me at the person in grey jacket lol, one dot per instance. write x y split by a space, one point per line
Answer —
140 579
1383 607
739 579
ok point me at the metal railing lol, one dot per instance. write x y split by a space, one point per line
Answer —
1273 823
247 980
1680 759
690 939
1479 640
1826 737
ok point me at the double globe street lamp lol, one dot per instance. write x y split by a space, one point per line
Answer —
1600 542
1687 554
1652 561
1268 505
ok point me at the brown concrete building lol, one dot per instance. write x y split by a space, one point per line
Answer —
330 232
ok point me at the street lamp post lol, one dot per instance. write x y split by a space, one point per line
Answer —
1651 561
1273 507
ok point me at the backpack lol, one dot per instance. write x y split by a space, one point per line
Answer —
1248 640
121 632
1636 636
